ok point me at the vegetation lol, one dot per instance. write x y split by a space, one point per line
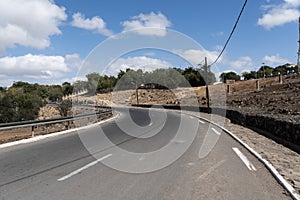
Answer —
229 76
22 101
263 71
159 78
64 107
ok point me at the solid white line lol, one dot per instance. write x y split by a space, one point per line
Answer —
217 132
150 124
244 159
83 168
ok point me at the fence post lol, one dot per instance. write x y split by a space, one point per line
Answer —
32 131
228 89
257 84
280 78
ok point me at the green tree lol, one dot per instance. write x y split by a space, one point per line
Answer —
7 108
80 85
67 88
265 71
229 76
2 89
55 93
208 76
249 75
93 81
64 107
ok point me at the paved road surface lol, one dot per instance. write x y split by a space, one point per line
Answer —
62 168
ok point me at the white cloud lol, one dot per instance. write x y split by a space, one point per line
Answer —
244 63
148 24
275 59
277 15
73 61
217 34
139 62
96 24
38 68
195 56
29 23
294 3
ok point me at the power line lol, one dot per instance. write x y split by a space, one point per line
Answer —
235 25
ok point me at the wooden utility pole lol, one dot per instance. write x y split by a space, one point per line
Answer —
137 93
206 84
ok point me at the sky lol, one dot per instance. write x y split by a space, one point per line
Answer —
52 41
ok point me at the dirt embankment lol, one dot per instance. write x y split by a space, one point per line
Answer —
280 101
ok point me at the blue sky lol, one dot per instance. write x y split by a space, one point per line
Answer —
46 41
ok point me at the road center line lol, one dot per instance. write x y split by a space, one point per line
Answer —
217 132
244 159
83 168
202 122
210 170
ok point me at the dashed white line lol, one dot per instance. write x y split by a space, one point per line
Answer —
244 159
202 122
216 132
83 168
211 169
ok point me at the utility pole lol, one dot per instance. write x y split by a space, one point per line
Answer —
136 93
263 65
298 60
206 84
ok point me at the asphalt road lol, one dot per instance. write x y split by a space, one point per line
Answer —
62 167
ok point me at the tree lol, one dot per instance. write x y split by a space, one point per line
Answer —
64 107
79 85
106 84
16 105
207 75
93 81
28 106
249 75
67 88
55 93
265 71
2 89
7 108
229 76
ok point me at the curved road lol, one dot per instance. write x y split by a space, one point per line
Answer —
62 168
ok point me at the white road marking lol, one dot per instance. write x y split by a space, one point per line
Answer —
244 159
191 117
211 169
83 168
216 132
179 141
202 122
150 124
